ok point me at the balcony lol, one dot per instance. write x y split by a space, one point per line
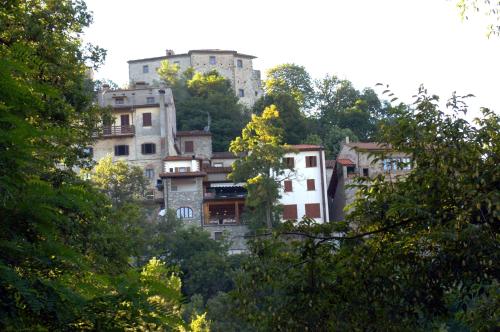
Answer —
118 131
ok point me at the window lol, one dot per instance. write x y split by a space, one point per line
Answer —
289 162
119 101
288 186
188 146
365 171
146 120
125 120
212 60
148 148
387 164
183 169
311 161
121 150
290 211
313 210
218 165
217 236
184 212
145 69
150 100
241 92
239 63
149 173
311 186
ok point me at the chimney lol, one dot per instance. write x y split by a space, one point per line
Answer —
169 52
347 140
163 122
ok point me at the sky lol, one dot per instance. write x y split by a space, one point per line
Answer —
403 43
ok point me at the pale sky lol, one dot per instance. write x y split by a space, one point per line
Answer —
402 43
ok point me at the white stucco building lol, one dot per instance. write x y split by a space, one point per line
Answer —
236 67
304 190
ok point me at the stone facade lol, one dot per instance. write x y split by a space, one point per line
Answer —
235 234
236 67
359 159
185 196
129 129
201 142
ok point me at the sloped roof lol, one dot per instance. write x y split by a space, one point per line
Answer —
369 146
306 147
346 162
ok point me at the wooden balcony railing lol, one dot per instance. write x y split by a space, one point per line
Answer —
118 130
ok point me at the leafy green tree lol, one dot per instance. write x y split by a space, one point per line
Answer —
61 264
291 119
119 181
293 80
209 95
423 250
333 139
169 73
263 150
203 261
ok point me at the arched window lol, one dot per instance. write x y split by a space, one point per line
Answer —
184 212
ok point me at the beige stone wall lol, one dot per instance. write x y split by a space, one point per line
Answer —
202 146
245 78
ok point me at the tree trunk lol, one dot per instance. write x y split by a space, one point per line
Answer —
268 216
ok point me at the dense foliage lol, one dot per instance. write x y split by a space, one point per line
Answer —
421 253
205 99
65 248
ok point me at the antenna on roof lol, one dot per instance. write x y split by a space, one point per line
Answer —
209 120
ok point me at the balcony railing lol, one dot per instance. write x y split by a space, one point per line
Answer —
118 130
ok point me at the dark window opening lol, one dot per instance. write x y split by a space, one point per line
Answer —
146 120
188 146
311 161
121 150
148 148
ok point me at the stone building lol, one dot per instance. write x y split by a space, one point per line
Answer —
187 177
360 159
236 67
142 131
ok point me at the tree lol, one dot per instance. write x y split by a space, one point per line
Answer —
422 255
169 73
206 96
203 261
61 265
119 181
262 148
293 80
291 120
489 8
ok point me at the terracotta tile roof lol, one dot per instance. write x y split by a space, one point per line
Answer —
369 146
182 174
346 162
330 163
194 133
306 147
